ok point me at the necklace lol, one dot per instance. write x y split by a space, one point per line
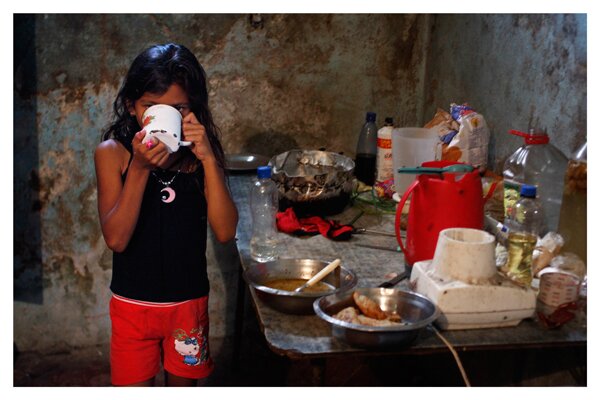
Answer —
169 196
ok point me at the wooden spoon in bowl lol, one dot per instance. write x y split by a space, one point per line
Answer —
319 275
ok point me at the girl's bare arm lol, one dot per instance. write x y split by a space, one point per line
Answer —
119 203
222 213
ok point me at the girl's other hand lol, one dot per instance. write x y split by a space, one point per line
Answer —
148 155
194 131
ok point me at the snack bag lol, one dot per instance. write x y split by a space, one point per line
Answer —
468 143
443 123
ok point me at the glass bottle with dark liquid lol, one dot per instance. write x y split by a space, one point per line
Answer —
366 151
364 168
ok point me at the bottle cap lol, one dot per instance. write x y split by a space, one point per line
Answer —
389 121
528 191
263 172
371 116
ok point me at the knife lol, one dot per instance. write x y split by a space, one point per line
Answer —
374 232
398 249
395 280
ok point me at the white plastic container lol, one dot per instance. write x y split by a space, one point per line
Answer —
385 163
410 148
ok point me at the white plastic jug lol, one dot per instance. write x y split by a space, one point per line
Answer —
410 148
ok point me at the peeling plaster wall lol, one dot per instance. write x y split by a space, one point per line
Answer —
276 82
519 71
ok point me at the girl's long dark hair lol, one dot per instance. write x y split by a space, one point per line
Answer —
154 71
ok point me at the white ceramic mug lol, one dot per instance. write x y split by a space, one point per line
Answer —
164 123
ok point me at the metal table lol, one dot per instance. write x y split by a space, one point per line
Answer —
302 337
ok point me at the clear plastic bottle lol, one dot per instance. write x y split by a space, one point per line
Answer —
385 164
525 222
366 151
264 206
536 163
573 212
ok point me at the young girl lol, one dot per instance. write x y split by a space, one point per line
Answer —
159 282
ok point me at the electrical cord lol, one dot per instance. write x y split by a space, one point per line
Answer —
455 354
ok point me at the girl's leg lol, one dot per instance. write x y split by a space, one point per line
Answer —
185 344
174 380
134 351
149 382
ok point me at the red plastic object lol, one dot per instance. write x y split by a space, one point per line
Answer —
438 202
531 138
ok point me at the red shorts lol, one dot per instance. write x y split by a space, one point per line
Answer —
142 331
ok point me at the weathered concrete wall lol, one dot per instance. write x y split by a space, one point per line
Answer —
276 82
517 70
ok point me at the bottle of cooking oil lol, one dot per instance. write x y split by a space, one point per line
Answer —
573 213
525 222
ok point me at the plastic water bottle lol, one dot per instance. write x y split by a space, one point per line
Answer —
264 205
536 163
525 222
366 151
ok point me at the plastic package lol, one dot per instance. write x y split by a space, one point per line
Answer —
570 262
545 250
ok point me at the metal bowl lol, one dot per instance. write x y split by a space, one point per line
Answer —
416 311
290 302
313 182
244 162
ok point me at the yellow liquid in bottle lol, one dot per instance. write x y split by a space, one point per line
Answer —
520 252
573 211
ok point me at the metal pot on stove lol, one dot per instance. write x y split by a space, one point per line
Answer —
313 182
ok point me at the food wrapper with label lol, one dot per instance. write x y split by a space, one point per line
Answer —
464 135
545 250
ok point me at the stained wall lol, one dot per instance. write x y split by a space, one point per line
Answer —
519 71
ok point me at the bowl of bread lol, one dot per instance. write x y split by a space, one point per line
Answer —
376 317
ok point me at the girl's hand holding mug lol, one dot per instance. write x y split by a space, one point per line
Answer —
194 131
148 155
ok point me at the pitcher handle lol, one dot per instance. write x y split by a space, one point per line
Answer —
399 213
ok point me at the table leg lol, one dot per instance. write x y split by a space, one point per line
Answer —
239 319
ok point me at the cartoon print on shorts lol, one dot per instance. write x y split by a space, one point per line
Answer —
193 347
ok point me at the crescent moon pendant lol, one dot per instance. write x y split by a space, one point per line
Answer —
169 196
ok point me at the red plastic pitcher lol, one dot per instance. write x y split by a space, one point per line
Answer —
439 201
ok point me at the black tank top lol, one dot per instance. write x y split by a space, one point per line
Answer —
165 259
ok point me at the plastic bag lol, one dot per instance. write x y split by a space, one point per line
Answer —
467 142
546 249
